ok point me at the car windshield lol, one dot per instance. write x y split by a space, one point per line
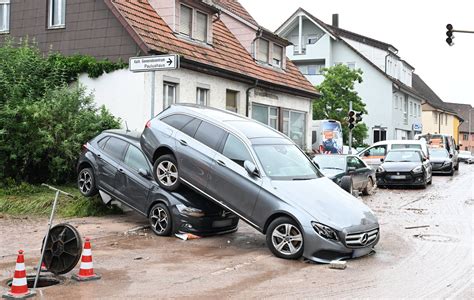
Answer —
330 162
440 153
285 162
403 156
406 146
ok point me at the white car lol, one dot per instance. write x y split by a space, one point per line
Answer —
466 157
372 155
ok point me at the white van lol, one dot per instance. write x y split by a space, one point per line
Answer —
372 155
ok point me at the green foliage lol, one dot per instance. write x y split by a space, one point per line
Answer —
43 120
337 91
26 199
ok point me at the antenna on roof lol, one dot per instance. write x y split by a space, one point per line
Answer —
126 127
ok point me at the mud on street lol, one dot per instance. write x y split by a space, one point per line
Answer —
425 250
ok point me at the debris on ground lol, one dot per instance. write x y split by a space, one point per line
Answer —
416 227
186 236
337 264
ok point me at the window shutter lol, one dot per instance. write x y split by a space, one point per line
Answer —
262 50
277 55
185 20
201 26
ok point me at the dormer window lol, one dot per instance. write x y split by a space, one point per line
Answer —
263 50
277 55
269 52
193 23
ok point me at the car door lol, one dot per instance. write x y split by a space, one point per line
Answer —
108 162
197 146
131 186
358 173
372 155
230 182
363 172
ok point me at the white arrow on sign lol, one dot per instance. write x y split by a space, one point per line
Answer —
154 63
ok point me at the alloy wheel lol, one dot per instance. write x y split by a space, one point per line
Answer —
85 181
159 220
287 239
167 173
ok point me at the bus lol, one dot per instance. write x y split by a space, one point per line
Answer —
326 137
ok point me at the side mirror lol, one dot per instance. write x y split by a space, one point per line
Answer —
425 159
251 168
351 170
381 159
451 156
144 173
366 153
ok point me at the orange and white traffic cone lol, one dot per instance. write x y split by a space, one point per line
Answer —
86 271
43 268
19 288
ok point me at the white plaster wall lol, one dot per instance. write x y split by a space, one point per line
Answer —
415 116
375 55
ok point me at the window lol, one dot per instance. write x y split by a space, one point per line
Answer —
115 148
411 108
177 121
185 20
57 13
277 56
445 119
351 65
377 151
395 102
267 115
102 142
465 137
294 126
135 160
236 151
263 46
191 127
169 94
379 135
405 111
435 117
4 16
231 100
209 135
354 162
312 39
313 69
201 26
202 96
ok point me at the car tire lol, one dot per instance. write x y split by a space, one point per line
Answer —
457 167
451 173
346 184
165 172
285 238
86 182
369 187
160 220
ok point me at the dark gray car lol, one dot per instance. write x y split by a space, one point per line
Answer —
263 177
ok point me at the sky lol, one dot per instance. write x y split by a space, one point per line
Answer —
417 28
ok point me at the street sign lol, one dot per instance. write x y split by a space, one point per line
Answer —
154 63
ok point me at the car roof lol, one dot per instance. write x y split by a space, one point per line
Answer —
133 137
235 123
405 150
399 142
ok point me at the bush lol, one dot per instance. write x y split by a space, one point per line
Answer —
43 121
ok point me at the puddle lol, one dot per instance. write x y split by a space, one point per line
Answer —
43 281
435 238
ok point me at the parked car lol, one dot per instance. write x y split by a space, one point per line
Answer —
445 141
348 171
262 176
441 161
372 155
345 150
466 156
114 165
404 167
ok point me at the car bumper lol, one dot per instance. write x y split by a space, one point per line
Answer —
321 250
387 179
204 226
441 169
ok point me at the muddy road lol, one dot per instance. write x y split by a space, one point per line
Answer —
425 251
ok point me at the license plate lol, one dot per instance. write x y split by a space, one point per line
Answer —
399 177
221 223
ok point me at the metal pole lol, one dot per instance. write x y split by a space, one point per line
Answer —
469 136
350 131
152 106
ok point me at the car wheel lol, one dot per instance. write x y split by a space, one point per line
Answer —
431 180
369 187
346 184
86 182
160 220
451 173
285 239
457 167
165 171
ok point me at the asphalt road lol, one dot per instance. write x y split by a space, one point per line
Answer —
425 251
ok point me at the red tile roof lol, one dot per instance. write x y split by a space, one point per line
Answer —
236 8
154 35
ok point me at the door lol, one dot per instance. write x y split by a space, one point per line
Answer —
372 155
132 187
197 144
230 182
361 173
109 161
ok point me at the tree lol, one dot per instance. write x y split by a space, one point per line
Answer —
337 90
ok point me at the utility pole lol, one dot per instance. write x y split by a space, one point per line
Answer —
469 138
350 130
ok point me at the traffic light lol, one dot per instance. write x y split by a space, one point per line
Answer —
351 119
359 117
449 34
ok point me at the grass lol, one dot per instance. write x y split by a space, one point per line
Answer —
33 200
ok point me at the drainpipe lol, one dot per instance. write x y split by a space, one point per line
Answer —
247 100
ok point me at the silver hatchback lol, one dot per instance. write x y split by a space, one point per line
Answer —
262 176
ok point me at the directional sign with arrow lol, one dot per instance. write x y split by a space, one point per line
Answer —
154 63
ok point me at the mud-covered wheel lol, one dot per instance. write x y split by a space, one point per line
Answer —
369 187
63 249
346 184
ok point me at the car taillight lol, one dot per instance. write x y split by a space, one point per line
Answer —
84 148
148 124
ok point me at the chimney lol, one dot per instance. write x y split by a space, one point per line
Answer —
335 20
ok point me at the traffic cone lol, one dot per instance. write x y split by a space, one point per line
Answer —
86 271
19 288
43 268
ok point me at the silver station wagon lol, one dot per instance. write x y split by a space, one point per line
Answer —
263 177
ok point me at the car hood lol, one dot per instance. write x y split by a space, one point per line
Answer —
332 173
439 159
326 202
400 166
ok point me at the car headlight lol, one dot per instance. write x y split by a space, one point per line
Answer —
380 169
418 169
325 231
190 211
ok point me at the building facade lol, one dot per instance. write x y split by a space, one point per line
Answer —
394 107
466 128
227 60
